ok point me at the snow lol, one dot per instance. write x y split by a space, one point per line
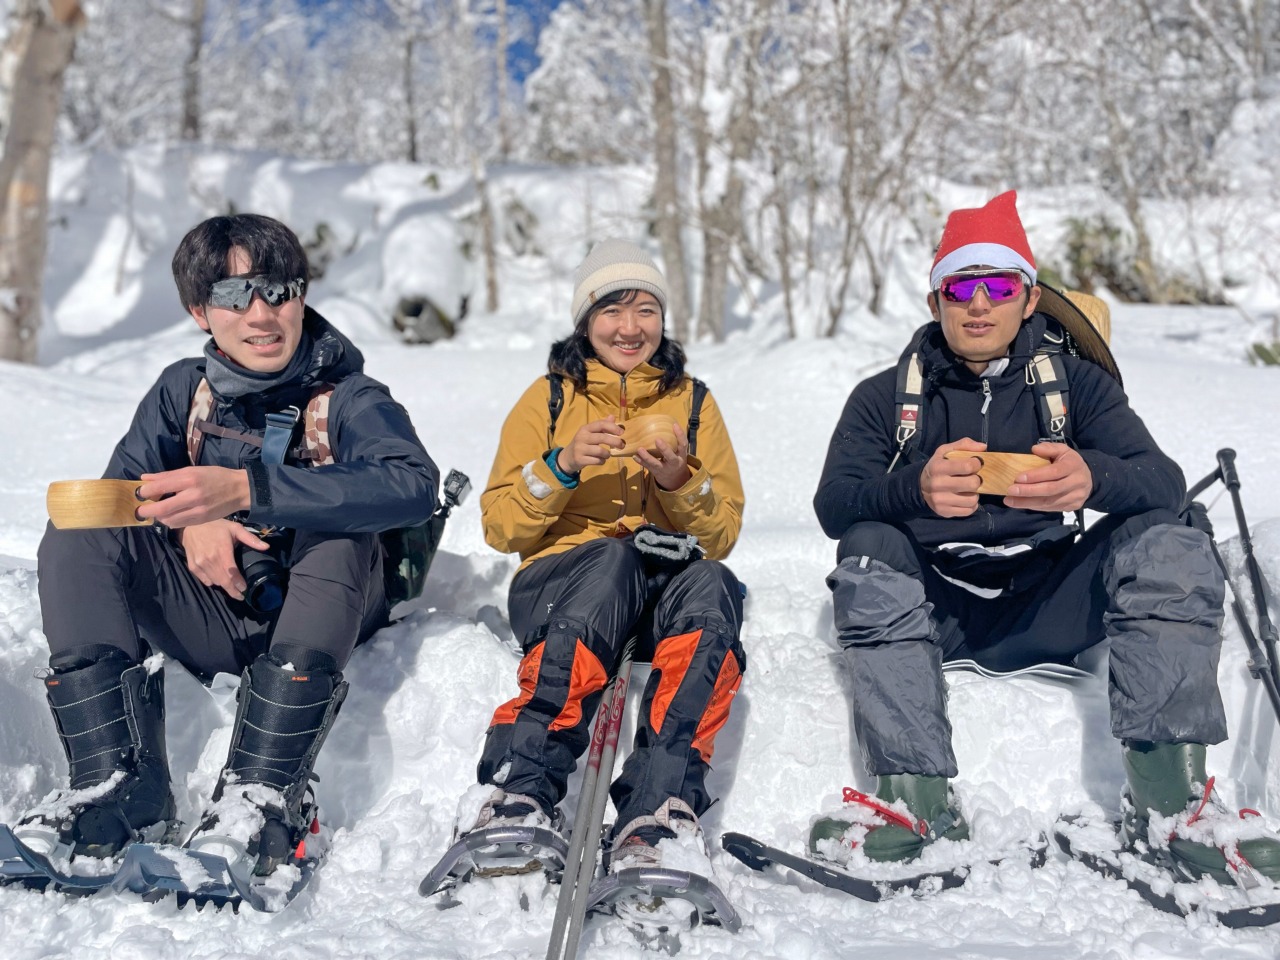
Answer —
403 752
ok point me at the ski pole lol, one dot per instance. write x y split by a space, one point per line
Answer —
579 866
1262 656
1266 629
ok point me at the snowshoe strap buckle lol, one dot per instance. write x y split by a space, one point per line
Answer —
919 827
1245 875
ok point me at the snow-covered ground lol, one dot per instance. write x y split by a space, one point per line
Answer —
423 690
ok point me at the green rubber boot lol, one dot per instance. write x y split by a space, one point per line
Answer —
929 800
1169 779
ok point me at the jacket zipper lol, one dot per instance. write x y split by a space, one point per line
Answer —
622 468
986 404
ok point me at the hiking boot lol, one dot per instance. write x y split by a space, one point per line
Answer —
486 807
109 713
1170 804
672 839
908 812
262 809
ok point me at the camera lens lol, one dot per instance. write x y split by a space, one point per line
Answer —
264 580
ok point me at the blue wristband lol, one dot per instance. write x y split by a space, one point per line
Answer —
568 482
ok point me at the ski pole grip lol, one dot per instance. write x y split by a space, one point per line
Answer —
1227 464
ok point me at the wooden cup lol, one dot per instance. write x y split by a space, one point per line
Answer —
999 469
642 433
90 504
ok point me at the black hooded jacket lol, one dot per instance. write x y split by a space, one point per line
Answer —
383 478
1130 473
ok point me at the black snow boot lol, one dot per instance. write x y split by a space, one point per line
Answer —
262 808
109 713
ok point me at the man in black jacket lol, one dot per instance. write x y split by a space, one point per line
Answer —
265 559
932 571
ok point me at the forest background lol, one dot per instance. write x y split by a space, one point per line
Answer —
789 148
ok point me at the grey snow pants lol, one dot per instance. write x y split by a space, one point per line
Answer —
1147 583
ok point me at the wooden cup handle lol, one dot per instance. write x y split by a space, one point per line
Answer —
95 504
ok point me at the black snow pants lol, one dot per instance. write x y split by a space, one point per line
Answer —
1148 583
575 611
130 588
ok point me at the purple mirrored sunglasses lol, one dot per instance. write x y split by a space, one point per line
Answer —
999 284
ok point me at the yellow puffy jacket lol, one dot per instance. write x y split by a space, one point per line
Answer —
526 510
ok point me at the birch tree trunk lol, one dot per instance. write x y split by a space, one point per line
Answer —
191 72
42 44
488 242
666 191
504 119
410 102
721 217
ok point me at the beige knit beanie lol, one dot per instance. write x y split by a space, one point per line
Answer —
614 265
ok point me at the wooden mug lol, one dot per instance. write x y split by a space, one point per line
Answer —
999 469
642 433
90 504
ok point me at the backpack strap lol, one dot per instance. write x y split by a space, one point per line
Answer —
555 403
1047 376
315 429
198 419
695 413
281 427
908 401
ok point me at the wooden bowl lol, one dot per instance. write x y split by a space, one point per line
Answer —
642 433
90 504
999 469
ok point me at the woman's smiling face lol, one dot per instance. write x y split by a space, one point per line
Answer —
626 334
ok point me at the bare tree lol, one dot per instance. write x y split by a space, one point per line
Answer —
667 214
192 22
500 54
41 45
722 154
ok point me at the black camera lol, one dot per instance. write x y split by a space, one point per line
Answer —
265 579
454 490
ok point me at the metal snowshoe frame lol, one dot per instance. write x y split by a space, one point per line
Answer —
1262 644
491 846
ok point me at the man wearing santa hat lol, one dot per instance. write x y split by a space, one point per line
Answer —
931 571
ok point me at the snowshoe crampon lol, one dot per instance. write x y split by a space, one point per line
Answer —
493 852
888 879
1096 842
202 877
20 864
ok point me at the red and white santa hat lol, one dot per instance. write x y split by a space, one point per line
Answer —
990 236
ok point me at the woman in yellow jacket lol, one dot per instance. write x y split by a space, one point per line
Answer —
588 580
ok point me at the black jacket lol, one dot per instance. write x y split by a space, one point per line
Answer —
1130 473
383 478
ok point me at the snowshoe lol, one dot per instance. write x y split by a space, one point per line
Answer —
225 871
495 851
873 882
497 834
1100 843
658 881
